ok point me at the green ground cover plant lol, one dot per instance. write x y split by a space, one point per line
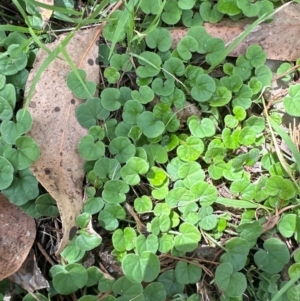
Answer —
177 161
17 151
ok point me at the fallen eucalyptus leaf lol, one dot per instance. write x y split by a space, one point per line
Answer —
270 36
56 130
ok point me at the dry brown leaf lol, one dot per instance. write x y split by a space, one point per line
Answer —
46 13
182 114
279 38
188 110
17 234
29 275
56 130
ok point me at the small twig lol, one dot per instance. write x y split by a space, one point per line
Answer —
142 228
102 296
285 73
277 149
102 268
192 261
273 220
295 133
57 230
45 254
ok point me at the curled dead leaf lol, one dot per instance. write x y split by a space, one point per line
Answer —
17 234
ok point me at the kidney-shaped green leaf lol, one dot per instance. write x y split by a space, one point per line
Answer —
77 84
12 130
188 238
115 191
159 38
24 155
122 148
204 192
187 272
127 290
134 167
73 277
89 149
155 291
89 112
107 168
278 186
291 101
141 268
204 88
150 125
203 128
6 173
233 283
288 225
274 256
191 149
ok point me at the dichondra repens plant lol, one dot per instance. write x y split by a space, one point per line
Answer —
153 177
187 197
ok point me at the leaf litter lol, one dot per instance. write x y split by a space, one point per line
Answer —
56 130
29 276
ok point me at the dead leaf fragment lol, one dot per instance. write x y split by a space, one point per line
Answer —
56 130
29 275
183 114
46 13
188 110
17 234
279 38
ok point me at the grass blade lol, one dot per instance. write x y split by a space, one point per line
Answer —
121 25
288 285
56 8
14 28
240 204
288 141
52 55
